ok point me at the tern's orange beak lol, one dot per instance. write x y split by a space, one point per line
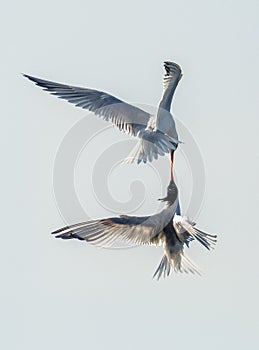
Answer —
172 165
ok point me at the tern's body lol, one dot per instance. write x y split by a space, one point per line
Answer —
166 228
157 134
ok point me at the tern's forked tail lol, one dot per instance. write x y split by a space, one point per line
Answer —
179 262
150 146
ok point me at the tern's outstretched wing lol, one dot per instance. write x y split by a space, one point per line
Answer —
131 229
187 231
126 117
164 120
171 80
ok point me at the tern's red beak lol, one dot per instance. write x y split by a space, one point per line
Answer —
172 165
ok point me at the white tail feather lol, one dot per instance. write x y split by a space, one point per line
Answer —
179 262
144 151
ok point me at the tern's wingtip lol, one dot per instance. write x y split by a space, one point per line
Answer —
26 76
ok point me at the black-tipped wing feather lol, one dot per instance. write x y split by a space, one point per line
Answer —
132 229
206 239
105 232
126 117
187 231
171 80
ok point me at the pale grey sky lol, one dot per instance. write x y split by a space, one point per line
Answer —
67 295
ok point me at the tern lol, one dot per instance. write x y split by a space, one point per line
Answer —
157 133
165 228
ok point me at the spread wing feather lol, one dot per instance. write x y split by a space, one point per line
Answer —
131 229
171 79
187 231
126 117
